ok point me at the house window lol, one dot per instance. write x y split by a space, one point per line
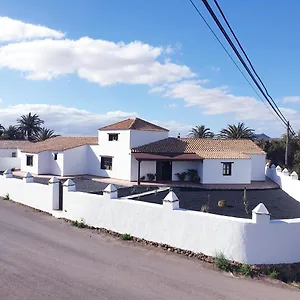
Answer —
55 156
227 168
106 163
29 160
113 136
14 154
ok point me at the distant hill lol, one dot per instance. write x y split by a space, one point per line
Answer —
262 136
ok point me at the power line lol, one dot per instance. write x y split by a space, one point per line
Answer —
230 56
249 61
236 52
239 56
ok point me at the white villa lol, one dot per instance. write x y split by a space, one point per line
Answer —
133 148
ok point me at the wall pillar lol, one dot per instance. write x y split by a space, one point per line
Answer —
69 186
260 214
8 173
54 190
111 191
28 178
294 176
171 201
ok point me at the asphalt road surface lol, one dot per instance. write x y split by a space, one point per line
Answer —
45 258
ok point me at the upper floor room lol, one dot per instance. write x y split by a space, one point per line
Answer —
130 133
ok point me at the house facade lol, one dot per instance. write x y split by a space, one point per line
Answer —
10 154
136 150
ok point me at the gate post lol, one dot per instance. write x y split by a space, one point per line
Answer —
54 190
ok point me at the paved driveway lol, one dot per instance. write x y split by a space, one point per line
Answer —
45 258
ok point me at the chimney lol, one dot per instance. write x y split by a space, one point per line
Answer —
178 135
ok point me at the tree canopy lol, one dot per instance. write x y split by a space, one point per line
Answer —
201 132
239 131
28 127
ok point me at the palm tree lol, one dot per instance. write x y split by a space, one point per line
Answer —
1 129
237 132
30 125
201 132
13 133
44 134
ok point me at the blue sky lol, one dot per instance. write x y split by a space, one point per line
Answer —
169 69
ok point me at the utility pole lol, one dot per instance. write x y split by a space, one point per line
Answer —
287 144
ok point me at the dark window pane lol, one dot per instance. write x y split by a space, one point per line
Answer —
113 136
106 163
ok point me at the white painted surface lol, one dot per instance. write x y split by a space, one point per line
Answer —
8 152
241 240
183 166
286 183
213 171
32 169
75 161
258 162
146 168
119 150
139 137
56 166
45 163
35 195
9 163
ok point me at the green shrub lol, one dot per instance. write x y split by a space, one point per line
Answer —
246 202
151 177
222 262
273 273
125 237
6 197
246 270
193 175
79 224
181 176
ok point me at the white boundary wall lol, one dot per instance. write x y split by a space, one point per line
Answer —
287 182
254 241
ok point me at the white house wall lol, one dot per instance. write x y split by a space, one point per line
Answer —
139 137
146 168
75 161
32 169
56 166
8 152
44 162
119 151
9 163
213 171
258 162
183 166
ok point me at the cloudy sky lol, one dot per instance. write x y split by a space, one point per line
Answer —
84 64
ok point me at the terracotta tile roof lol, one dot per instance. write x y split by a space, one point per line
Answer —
9 144
61 143
205 148
134 124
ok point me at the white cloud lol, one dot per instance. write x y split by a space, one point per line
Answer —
216 69
173 105
218 100
98 61
291 99
64 120
15 30
73 121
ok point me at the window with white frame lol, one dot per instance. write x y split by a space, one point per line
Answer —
227 168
